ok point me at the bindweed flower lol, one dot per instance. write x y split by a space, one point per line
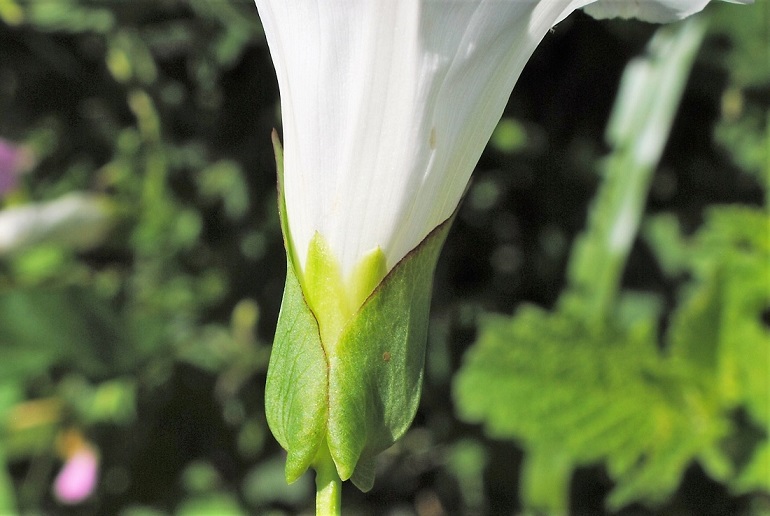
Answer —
387 106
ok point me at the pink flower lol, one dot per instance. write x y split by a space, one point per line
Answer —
77 479
14 160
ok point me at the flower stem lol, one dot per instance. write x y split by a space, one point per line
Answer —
328 499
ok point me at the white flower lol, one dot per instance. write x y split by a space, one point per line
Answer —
388 104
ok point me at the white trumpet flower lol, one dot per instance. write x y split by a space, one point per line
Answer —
387 106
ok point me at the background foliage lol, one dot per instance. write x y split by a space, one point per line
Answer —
151 339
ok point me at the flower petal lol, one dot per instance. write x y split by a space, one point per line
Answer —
387 106
77 479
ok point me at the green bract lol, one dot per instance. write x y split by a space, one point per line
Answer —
346 367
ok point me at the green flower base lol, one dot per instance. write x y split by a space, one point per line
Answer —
358 394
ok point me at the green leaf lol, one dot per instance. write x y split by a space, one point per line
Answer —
756 475
42 327
719 326
718 329
663 234
561 386
589 383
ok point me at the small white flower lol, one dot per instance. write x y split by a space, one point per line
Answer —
388 104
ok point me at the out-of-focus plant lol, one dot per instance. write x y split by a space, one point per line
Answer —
744 125
589 382
104 294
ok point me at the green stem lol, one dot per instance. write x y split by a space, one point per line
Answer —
328 499
644 112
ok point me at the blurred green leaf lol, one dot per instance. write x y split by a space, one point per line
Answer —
224 181
609 395
744 127
69 16
265 484
589 382
128 58
215 504
10 394
509 136
467 460
663 233
110 401
604 396
756 475
719 329
43 327
138 510
749 40
200 477
649 95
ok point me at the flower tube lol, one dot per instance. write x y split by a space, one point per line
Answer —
387 106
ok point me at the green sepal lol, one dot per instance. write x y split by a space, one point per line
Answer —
297 382
377 369
361 393
296 386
